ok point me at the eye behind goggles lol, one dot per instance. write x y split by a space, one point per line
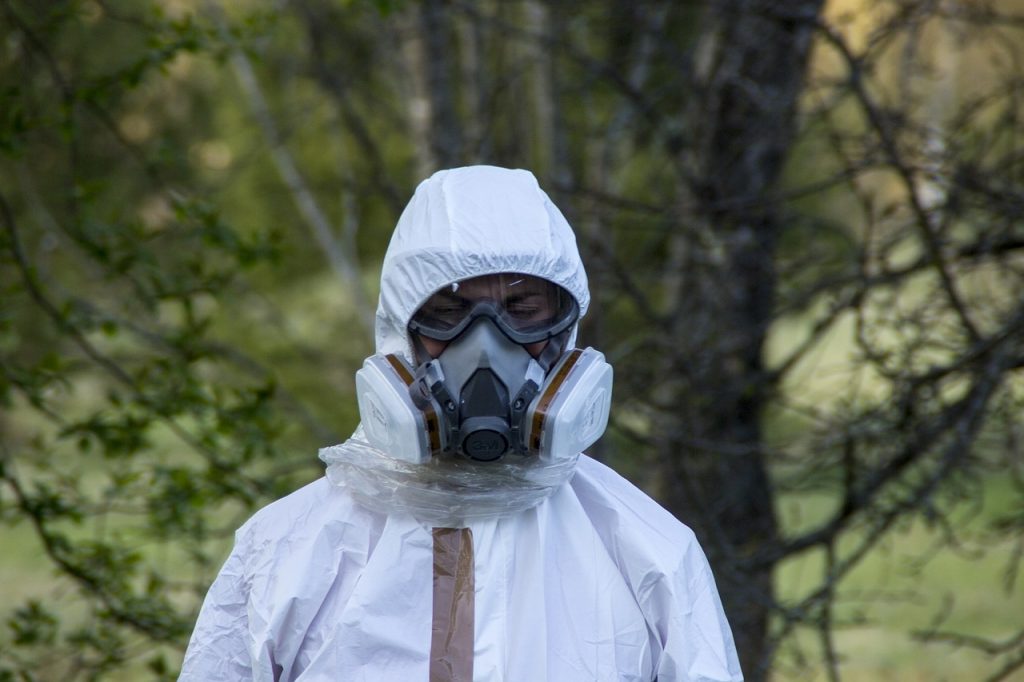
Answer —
514 328
525 309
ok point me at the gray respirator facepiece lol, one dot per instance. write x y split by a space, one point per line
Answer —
485 396
482 384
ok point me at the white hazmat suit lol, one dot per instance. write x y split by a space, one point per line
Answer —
565 572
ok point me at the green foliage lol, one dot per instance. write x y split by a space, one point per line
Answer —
32 624
130 425
174 343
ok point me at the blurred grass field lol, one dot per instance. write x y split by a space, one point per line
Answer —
907 585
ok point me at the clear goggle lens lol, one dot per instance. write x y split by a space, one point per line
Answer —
527 309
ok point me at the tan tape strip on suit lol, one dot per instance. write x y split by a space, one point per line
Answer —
451 643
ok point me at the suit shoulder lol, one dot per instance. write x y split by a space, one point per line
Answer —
311 506
611 500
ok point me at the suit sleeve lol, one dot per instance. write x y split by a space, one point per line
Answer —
665 567
219 649
685 609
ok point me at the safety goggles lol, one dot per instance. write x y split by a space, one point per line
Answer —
526 309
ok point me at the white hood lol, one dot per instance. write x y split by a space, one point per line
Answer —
467 222
459 224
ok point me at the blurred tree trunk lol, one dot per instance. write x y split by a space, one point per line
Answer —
747 76
428 57
474 82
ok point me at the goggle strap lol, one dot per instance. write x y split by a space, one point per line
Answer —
421 354
553 351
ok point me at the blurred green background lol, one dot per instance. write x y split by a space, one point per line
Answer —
803 224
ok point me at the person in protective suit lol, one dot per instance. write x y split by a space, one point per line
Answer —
459 534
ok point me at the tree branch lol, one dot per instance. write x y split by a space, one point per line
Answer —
344 265
923 218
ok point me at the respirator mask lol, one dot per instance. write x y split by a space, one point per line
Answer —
493 378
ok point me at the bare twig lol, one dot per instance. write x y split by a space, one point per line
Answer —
924 221
344 265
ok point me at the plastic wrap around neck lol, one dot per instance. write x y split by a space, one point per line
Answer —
445 492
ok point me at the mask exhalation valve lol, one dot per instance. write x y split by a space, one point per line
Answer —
485 435
486 439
